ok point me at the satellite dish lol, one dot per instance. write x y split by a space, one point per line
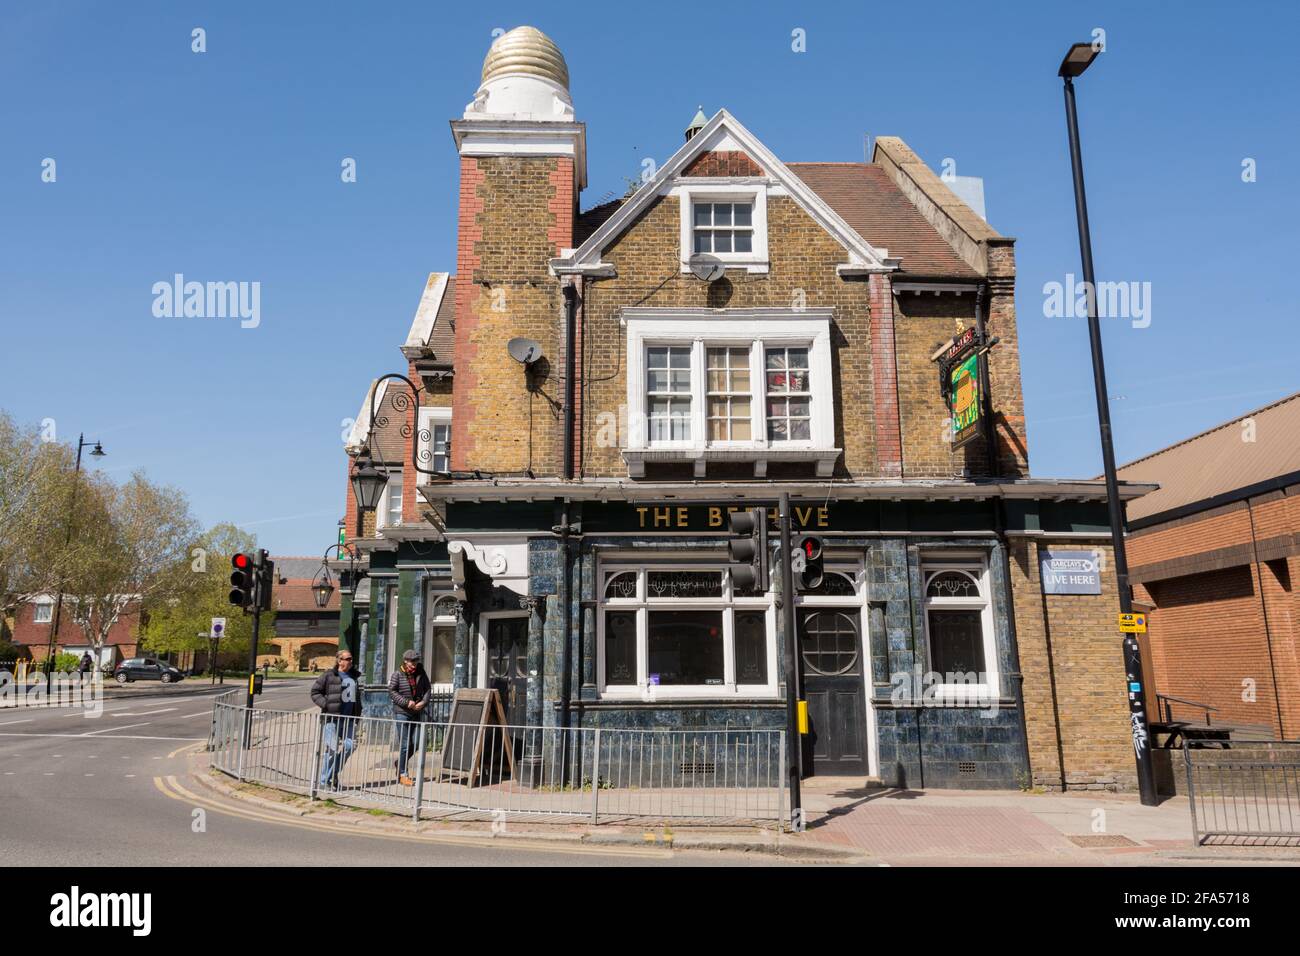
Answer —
705 267
524 351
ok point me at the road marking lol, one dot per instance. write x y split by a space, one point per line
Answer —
169 784
27 720
92 733
129 775
87 774
140 713
202 713
178 750
114 737
9 773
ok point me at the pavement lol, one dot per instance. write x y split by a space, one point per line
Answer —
133 787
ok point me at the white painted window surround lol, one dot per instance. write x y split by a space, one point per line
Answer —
972 599
435 430
638 603
710 191
752 329
43 612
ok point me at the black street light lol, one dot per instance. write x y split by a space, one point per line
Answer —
1077 59
323 586
367 481
96 452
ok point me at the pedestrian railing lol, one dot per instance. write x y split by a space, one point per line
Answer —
1247 793
462 772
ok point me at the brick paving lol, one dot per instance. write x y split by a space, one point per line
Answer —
889 829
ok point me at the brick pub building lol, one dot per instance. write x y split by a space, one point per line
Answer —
571 553
1214 554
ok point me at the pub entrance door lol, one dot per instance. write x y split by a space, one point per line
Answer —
830 656
507 665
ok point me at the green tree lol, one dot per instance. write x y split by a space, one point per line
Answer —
176 623
130 554
36 501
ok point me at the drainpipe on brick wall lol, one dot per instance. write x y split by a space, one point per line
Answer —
1258 573
1000 529
566 517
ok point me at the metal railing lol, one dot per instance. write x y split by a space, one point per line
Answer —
454 771
1247 794
1165 702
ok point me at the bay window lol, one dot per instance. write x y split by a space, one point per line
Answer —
753 387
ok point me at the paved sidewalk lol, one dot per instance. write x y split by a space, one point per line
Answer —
850 824
956 827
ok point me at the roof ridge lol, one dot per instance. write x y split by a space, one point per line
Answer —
1209 431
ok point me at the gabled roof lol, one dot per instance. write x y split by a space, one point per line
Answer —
869 201
723 127
432 335
1221 460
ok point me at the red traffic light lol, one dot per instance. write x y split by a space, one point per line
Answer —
812 548
240 561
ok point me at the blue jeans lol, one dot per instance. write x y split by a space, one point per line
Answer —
406 735
334 757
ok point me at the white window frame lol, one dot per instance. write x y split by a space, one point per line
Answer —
642 604
433 621
383 519
432 416
43 605
757 330
390 630
688 194
977 567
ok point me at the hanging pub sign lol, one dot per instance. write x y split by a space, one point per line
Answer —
960 376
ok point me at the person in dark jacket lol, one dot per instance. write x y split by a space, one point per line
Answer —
335 692
410 692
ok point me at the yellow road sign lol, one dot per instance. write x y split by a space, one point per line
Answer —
1133 623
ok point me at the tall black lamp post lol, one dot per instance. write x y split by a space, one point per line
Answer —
96 452
1078 59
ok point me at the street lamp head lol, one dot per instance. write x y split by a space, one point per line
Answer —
367 482
323 587
1078 59
98 451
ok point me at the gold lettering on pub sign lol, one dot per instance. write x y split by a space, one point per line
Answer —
678 517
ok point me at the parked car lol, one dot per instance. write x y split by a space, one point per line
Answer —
146 668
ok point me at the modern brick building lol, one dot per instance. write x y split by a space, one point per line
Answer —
599 388
1214 554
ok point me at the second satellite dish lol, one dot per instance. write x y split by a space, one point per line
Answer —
705 267
524 351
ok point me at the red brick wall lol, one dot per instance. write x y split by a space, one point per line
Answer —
1223 627
723 162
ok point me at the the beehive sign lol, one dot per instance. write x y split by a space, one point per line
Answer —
964 389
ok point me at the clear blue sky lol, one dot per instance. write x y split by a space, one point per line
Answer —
225 166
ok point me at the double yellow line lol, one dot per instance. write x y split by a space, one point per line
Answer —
169 786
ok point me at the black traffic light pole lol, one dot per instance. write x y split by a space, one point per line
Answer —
1132 651
794 741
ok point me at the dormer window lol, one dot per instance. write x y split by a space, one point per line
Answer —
724 227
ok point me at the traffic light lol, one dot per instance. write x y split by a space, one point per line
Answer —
748 551
265 580
809 563
243 580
